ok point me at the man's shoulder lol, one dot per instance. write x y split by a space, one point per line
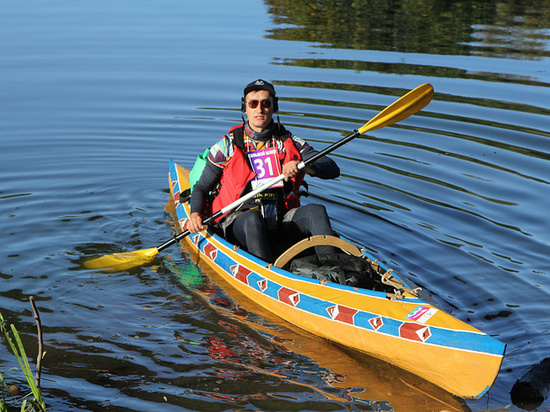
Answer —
221 151
224 148
299 142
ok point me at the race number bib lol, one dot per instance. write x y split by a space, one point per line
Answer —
266 165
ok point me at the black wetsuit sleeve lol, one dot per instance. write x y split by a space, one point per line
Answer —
324 168
209 179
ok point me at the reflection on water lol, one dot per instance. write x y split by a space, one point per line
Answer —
512 29
97 98
337 374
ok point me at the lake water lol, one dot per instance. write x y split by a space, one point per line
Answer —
96 97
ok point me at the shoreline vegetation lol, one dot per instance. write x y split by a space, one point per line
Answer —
11 393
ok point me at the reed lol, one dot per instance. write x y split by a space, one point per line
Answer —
32 401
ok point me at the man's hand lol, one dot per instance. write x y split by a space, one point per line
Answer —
290 169
195 224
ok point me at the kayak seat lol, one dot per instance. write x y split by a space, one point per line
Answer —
319 240
349 267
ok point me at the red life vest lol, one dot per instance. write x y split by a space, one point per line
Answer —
237 172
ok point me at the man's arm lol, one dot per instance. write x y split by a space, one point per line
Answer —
324 168
210 177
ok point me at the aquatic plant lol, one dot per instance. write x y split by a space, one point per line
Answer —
36 402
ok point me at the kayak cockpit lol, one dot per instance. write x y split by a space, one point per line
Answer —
349 266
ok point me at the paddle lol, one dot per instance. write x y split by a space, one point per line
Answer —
402 108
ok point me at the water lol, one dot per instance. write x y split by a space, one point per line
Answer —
97 96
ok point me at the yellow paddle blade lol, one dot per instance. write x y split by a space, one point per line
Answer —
402 108
122 261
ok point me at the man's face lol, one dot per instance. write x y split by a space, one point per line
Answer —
259 117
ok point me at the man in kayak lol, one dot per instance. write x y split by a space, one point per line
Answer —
249 155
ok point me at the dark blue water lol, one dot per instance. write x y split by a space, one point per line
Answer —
95 97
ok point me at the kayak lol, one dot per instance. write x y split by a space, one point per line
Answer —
395 321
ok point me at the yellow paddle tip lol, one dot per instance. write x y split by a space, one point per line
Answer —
122 261
405 106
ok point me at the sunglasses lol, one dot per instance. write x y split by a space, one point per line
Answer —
266 104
